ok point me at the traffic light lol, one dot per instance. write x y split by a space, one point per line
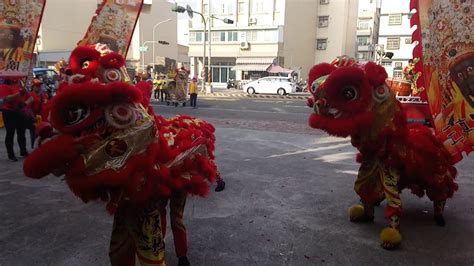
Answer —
177 8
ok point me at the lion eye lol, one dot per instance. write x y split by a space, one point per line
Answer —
75 114
314 87
349 93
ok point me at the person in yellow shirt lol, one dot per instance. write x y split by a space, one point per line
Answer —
193 92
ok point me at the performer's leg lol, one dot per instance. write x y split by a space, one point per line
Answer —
21 138
369 189
163 203
438 212
122 247
145 227
177 204
220 182
391 237
10 126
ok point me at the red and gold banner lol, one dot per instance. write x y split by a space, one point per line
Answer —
113 24
19 25
446 46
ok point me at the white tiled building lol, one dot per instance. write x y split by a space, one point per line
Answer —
367 29
287 32
336 29
395 35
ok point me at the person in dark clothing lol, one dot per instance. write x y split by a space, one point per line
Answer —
13 98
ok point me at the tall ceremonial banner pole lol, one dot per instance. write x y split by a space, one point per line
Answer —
19 26
446 49
113 25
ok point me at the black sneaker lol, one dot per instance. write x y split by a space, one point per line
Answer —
183 261
24 154
12 158
220 185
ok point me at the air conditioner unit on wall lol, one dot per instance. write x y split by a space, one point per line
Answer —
252 21
244 45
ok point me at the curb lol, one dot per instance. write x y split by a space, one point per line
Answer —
242 95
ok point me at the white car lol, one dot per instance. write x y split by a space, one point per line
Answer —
273 84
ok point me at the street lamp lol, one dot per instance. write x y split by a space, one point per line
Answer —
190 11
154 28
209 68
206 21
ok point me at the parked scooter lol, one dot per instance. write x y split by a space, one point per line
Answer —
231 83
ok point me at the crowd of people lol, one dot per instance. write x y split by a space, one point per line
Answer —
161 90
21 110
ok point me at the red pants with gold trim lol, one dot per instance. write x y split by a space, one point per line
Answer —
377 181
177 203
137 231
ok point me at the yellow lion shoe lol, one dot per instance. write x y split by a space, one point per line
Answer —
391 238
357 214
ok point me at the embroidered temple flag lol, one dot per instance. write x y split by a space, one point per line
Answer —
20 22
446 46
113 24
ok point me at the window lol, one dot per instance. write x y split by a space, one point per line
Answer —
198 37
231 36
364 56
363 40
397 74
323 2
241 7
259 6
363 25
270 36
221 74
218 36
393 43
323 21
394 19
226 8
408 41
192 36
321 44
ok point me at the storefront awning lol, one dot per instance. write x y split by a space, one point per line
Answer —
253 63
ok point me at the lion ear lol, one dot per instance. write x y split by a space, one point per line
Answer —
318 71
376 74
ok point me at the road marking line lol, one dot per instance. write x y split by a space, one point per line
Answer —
310 150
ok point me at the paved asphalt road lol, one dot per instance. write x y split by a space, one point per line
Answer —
286 200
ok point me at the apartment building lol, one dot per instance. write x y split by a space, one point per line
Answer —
336 29
286 32
395 35
66 21
367 29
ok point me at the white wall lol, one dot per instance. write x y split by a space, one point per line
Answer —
341 31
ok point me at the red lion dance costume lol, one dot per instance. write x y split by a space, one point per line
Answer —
353 100
111 147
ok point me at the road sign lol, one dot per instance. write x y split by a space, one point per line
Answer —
143 49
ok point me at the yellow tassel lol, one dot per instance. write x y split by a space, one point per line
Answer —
391 235
356 212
